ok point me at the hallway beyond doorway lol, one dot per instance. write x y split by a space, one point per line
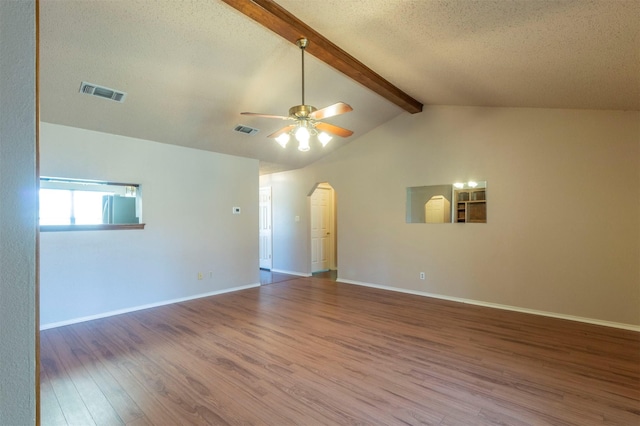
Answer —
329 275
270 277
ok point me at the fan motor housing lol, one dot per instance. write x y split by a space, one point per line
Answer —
301 111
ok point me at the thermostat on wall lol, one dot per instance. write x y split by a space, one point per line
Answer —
236 210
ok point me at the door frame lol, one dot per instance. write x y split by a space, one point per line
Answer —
332 225
269 205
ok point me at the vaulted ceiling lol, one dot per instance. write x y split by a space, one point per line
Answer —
190 67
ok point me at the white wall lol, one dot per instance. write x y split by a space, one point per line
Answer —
17 213
187 196
563 231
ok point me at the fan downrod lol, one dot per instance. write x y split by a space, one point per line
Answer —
302 43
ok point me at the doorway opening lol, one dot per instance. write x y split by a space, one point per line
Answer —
323 228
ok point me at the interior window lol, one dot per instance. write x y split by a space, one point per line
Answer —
73 203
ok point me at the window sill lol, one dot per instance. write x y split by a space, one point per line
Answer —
103 227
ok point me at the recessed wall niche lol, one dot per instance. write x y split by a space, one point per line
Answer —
458 203
470 202
429 204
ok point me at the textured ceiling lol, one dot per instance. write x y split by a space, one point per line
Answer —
190 67
528 53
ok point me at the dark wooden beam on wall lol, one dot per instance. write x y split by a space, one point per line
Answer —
274 17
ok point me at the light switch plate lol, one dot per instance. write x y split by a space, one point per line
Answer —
236 210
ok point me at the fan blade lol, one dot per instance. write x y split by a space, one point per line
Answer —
334 130
281 131
330 111
255 114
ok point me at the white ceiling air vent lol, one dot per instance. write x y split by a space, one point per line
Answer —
102 92
246 129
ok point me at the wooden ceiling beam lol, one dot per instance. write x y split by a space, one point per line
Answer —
277 19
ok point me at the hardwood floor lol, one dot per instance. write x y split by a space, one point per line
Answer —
310 351
270 277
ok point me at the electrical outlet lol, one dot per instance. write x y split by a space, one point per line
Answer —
422 275
199 275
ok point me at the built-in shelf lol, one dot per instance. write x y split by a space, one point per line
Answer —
471 205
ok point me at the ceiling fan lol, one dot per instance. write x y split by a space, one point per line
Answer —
308 118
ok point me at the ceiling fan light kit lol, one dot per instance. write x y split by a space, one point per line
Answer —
308 119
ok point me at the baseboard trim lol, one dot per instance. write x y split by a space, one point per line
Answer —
142 307
282 271
612 324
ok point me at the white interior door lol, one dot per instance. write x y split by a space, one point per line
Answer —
321 228
265 228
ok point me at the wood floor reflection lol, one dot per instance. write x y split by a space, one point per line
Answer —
311 351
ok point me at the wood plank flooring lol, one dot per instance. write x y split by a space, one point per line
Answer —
310 351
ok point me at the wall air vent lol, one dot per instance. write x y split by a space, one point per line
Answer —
246 129
102 92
